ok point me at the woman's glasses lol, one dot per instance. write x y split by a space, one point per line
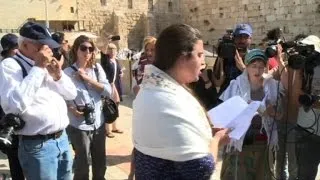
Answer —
85 48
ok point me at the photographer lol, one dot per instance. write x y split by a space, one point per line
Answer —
9 43
205 90
304 80
229 63
286 157
86 130
64 50
39 100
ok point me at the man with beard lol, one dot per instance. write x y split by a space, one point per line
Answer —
227 69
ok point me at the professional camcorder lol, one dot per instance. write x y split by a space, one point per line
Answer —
88 113
303 56
226 46
274 38
8 124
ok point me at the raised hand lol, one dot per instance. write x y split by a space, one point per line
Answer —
55 68
239 62
43 57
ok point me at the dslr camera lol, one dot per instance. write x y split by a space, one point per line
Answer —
8 124
88 113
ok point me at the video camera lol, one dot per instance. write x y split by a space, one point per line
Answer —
303 56
274 38
271 50
8 124
226 46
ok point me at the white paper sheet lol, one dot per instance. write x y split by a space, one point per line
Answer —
235 114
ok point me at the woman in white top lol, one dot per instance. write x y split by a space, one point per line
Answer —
171 132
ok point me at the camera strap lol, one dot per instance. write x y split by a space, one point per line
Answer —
76 69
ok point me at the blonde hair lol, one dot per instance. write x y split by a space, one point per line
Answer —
148 40
111 46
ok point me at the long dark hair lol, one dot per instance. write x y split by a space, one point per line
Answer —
73 53
173 42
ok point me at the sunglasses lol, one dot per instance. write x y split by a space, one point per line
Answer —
85 48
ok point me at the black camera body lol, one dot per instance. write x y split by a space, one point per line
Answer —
226 47
307 100
8 124
304 57
271 50
88 113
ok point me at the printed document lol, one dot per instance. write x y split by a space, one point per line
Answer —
235 114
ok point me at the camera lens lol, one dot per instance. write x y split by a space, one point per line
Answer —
271 51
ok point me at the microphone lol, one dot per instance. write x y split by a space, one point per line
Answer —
307 100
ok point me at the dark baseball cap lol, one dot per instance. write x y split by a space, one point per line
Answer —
38 33
8 42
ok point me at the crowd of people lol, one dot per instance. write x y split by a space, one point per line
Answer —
57 90
173 137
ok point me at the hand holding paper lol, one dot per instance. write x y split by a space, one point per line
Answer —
235 114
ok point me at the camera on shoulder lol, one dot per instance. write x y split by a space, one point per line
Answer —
226 45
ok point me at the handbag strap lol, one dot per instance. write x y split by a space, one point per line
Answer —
76 69
115 71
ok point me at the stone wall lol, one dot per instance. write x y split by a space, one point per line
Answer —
115 17
212 17
134 19
14 13
132 24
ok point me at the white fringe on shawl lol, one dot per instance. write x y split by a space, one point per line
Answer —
241 87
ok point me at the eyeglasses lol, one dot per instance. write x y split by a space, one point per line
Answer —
85 48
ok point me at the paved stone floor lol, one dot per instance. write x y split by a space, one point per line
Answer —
118 149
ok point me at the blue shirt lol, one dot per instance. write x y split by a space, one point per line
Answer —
88 96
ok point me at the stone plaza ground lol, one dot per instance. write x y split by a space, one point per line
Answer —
118 149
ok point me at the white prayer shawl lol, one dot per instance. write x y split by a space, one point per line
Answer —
168 122
241 87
